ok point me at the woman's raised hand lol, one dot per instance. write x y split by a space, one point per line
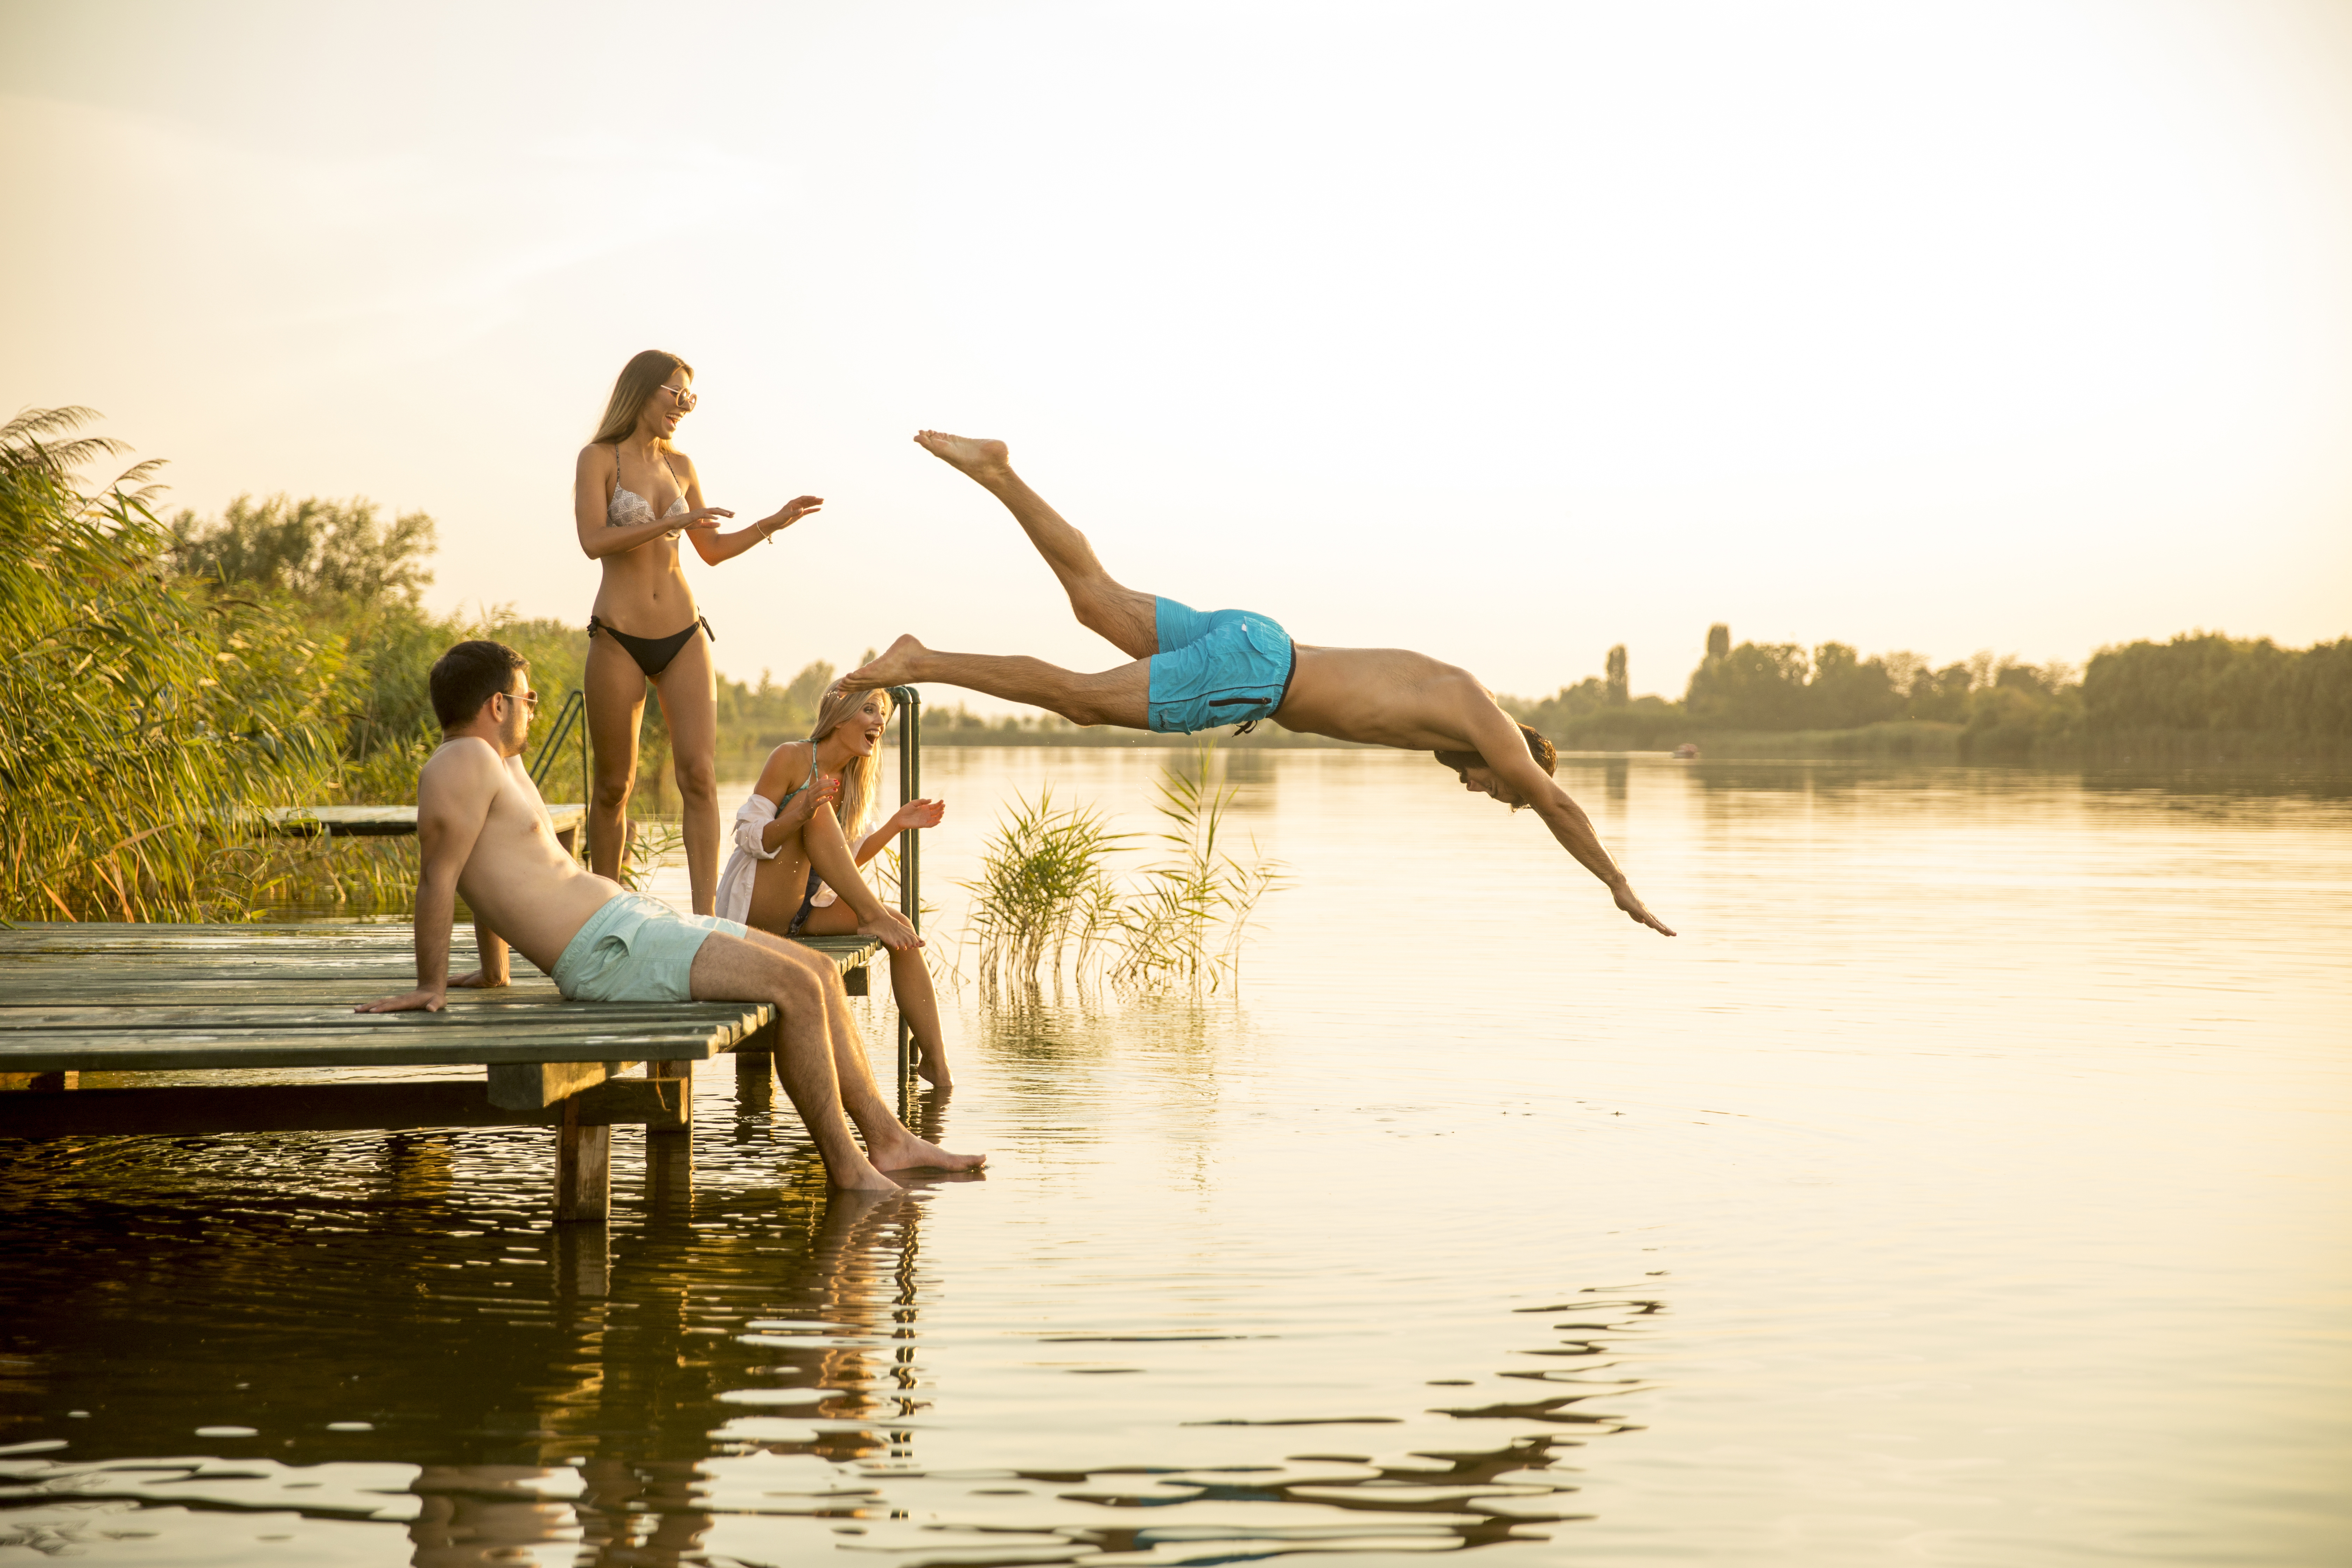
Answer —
797 812
700 517
917 813
793 511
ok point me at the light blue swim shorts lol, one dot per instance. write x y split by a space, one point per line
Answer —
1228 667
636 949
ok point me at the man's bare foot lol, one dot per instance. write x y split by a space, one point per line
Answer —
981 459
902 1151
864 1176
894 667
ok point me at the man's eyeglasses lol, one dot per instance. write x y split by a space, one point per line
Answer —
683 396
528 699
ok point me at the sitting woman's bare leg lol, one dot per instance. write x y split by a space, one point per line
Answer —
910 986
1128 619
1121 696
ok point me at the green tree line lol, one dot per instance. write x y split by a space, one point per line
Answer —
2156 696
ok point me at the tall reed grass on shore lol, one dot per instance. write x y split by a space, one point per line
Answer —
146 721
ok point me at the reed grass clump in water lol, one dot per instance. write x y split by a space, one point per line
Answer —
1045 896
1185 924
1044 892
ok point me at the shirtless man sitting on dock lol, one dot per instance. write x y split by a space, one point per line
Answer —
483 832
1195 671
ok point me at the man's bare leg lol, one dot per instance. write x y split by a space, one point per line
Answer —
1121 696
1103 605
821 1060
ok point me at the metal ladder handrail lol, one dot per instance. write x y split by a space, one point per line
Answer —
911 865
572 714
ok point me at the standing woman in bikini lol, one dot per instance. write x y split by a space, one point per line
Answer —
633 495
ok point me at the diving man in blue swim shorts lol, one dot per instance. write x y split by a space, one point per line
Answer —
1195 671
483 832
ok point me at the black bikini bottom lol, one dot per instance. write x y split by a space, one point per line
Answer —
652 654
808 905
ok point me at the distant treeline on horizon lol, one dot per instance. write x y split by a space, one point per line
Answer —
2200 692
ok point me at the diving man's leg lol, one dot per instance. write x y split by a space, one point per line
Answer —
1103 605
1121 696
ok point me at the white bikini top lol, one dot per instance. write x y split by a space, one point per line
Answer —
627 508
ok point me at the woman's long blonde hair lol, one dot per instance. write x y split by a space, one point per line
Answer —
634 389
861 777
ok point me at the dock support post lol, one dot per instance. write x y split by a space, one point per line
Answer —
910 866
683 1072
583 1168
584 1260
669 1178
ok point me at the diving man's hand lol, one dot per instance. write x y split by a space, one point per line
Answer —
1622 891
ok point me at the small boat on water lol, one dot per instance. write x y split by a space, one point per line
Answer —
1687 751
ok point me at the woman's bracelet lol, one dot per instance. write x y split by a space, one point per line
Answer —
767 534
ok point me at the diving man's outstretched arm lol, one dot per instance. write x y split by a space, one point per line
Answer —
1506 753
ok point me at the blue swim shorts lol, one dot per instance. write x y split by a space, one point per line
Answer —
1228 667
636 949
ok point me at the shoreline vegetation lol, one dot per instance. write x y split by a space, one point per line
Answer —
168 681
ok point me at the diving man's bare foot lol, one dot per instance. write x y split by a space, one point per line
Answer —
894 667
902 1151
981 459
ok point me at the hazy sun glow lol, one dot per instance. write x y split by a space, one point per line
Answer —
1509 332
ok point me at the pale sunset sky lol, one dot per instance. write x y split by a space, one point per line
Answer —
1507 333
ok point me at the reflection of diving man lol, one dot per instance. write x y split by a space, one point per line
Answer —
1195 671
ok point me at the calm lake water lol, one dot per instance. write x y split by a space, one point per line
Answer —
1968 1183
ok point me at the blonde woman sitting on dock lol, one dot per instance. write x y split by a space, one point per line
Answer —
808 792
483 832
1194 671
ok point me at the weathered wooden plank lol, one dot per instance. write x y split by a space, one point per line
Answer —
90 991
721 1026
202 1108
410 1050
300 1015
272 966
380 821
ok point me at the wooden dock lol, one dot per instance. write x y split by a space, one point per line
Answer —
179 998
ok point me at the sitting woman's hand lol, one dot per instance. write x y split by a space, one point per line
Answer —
795 812
916 814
